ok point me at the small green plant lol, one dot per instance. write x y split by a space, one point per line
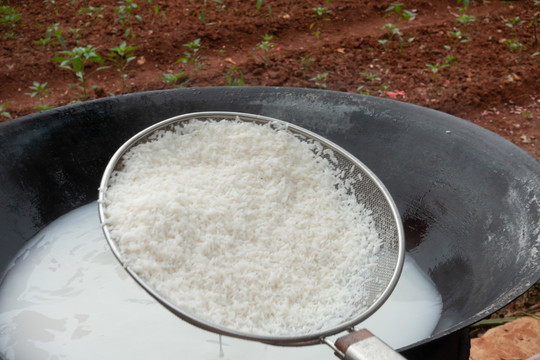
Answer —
320 79
514 45
78 60
234 76
53 35
40 90
458 35
435 68
266 45
465 19
49 4
400 12
92 11
320 14
513 24
465 4
371 77
306 63
121 56
175 79
192 60
3 111
126 14
395 34
528 115
9 20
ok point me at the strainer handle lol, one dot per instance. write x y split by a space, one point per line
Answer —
363 345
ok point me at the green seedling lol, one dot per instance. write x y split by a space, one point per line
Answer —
514 45
3 111
320 14
266 45
371 77
394 33
458 35
9 20
435 68
39 89
121 56
465 4
175 79
399 11
234 76
192 59
92 11
306 61
320 79
125 15
53 35
78 61
465 19
363 90
513 24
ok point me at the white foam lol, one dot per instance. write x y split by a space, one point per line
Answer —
66 296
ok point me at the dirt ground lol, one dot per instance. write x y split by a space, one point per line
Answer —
479 61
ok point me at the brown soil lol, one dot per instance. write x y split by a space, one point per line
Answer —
489 69
486 82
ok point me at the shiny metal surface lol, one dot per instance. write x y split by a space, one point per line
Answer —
369 190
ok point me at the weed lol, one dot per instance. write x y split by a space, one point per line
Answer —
173 79
320 14
192 59
234 76
91 11
306 61
9 20
514 45
39 89
266 45
465 4
157 11
400 12
371 77
513 24
434 68
3 111
258 4
121 56
77 61
465 19
320 79
53 35
394 33
126 14
528 115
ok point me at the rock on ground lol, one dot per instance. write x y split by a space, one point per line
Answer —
517 340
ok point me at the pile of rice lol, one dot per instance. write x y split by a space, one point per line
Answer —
243 225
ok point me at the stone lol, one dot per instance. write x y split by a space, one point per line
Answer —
517 340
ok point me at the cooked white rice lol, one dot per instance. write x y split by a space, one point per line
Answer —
243 225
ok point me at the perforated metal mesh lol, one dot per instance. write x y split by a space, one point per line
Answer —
367 189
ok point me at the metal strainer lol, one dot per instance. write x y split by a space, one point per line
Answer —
369 190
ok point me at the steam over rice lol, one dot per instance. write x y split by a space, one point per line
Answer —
244 225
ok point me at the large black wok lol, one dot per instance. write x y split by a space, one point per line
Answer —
469 199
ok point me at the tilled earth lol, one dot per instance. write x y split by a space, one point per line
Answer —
480 62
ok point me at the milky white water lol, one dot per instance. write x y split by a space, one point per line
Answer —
65 296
